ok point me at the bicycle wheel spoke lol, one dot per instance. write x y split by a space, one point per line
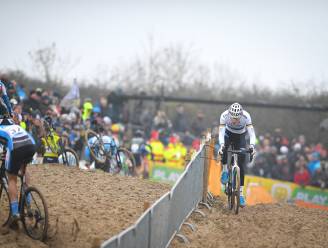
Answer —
35 214
34 201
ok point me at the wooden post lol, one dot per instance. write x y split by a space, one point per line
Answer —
188 158
206 169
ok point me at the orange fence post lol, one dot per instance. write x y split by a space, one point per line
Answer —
214 184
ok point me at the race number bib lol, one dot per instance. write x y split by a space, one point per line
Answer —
13 130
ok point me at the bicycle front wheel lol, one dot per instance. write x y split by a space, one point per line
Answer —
236 190
229 191
230 196
5 210
126 159
68 157
34 214
96 147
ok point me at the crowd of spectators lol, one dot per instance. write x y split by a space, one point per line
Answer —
71 116
277 156
293 160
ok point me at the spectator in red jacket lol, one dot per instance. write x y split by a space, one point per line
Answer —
302 176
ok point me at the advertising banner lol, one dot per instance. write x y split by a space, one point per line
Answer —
280 190
287 191
165 173
311 195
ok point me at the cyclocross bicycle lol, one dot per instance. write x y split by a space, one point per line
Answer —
116 160
66 155
232 188
33 212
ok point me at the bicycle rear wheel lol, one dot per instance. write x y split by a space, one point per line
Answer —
5 210
127 162
97 149
34 214
68 157
236 190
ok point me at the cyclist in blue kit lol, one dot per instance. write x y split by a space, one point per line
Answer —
18 150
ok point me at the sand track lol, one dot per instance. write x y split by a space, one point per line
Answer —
86 208
272 225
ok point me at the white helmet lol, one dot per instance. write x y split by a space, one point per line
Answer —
107 120
236 110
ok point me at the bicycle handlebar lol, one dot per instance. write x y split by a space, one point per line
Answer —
240 151
5 116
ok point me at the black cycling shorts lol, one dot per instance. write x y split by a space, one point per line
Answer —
235 141
20 156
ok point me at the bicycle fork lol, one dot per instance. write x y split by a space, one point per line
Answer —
234 171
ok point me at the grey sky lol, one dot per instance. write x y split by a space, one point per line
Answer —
269 41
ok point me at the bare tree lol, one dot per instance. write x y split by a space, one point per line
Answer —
170 67
43 60
50 65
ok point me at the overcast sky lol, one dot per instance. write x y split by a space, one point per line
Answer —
268 41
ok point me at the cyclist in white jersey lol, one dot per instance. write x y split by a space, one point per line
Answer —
234 124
